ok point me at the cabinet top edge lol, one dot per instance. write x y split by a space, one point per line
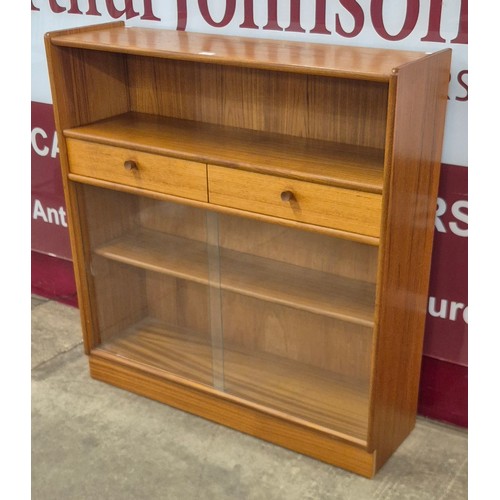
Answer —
271 54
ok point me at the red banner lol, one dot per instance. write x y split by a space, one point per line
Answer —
447 328
49 226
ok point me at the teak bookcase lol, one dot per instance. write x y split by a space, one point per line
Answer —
251 224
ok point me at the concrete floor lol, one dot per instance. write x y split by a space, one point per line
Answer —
93 441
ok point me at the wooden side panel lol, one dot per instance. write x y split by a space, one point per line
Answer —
72 107
419 94
347 111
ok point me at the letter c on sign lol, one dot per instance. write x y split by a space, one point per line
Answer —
42 151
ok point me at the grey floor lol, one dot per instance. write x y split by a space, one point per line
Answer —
93 441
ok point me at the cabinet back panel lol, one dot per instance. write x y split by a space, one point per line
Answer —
340 110
310 250
127 295
109 214
304 365
180 220
252 325
180 303
117 308
93 86
113 213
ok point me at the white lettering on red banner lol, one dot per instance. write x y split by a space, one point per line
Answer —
448 309
458 211
49 215
42 144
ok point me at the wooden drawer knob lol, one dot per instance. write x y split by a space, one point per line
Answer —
130 165
287 196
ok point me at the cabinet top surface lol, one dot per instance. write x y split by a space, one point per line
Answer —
279 55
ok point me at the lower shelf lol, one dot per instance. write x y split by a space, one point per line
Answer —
200 401
293 390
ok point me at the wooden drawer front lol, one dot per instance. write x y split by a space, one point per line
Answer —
344 209
174 176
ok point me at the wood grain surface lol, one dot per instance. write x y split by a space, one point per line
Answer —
295 434
272 280
300 57
348 210
315 395
412 178
316 342
154 172
329 163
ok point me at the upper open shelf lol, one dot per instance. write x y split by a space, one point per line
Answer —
296 57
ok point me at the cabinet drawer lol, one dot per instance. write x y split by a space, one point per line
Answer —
174 176
344 209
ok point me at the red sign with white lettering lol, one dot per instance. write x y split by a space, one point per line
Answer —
447 328
49 233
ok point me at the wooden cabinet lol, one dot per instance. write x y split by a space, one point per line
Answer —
251 224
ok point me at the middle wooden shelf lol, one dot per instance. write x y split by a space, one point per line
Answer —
325 162
262 278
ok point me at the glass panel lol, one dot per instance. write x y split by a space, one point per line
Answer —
279 317
297 316
150 275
